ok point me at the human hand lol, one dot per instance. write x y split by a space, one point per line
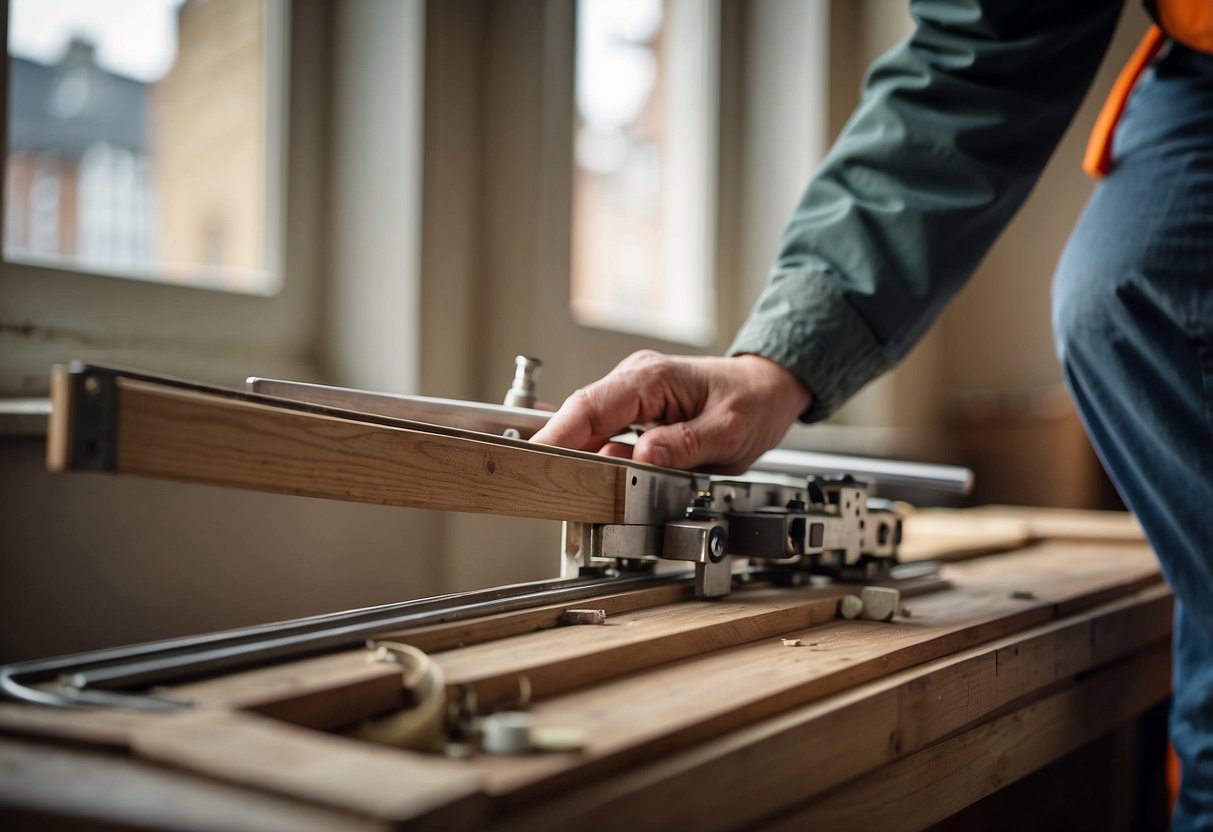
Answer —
714 414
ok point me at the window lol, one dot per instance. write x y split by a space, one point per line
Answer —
139 136
208 314
644 159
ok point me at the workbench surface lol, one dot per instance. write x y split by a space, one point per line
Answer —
760 710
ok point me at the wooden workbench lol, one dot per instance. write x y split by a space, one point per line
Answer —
1052 631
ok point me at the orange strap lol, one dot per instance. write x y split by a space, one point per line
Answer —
1098 159
1188 21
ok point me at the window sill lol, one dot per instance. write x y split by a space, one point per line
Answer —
24 417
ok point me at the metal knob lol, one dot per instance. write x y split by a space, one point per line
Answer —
522 392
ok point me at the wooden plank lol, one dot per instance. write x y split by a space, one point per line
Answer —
554 661
957 534
720 694
108 728
815 748
503 625
637 718
945 534
390 784
637 639
1068 524
927 787
325 693
181 434
48 787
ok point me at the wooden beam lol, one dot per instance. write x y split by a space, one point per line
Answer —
925 788
180 433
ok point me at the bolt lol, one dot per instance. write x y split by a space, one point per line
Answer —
523 391
718 543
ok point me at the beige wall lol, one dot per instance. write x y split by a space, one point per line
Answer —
209 145
89 560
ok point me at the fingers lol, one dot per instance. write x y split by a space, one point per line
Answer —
576 423
714 440
593 414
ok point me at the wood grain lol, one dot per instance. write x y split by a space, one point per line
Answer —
324 693
811 750
48 787
927 787
573 657
1068 524
503 625
107 728
313 767
198 437
957 534
856 696
636 718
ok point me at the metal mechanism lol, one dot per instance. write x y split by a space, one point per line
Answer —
825 526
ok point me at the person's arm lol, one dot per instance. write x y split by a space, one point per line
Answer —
954 128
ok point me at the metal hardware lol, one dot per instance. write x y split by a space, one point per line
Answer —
92 421
522 392
825 526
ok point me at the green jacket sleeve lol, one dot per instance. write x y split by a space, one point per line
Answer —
954 127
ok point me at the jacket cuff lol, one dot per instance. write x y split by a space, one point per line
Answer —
803 321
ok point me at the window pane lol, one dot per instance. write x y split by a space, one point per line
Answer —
644 184
138 140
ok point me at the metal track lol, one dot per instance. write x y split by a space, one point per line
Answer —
91 679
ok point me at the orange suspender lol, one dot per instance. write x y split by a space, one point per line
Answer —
1189 22
1098 159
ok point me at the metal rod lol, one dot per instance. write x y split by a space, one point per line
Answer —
949 478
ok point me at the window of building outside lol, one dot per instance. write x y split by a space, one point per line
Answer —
644 181
138 140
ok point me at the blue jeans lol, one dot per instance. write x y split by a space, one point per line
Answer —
1133 317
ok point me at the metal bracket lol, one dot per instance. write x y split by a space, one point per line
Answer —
94 394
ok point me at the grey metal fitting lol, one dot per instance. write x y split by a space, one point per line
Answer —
522 392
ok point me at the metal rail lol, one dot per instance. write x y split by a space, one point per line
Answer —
91 679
